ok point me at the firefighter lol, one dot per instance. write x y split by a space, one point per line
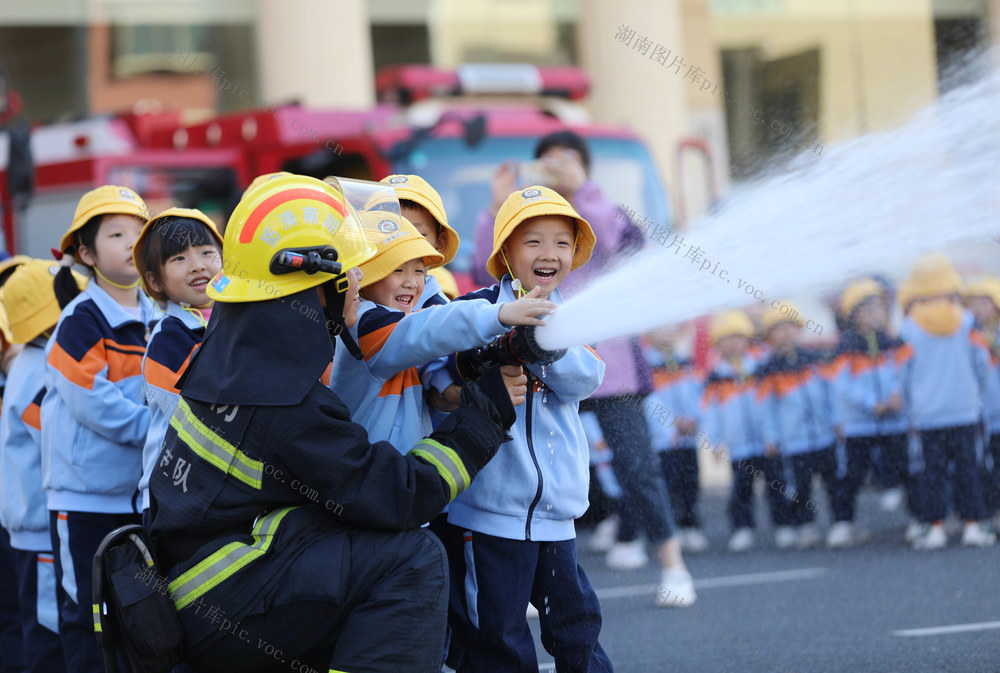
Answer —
286 538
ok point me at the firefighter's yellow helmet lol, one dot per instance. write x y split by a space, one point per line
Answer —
279 239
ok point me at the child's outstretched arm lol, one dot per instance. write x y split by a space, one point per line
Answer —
526 310
573 377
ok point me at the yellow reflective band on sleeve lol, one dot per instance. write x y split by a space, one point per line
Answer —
212 448
97 618
224 563
448 464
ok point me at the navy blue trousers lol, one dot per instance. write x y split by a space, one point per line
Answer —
492 581
991 477
859 454
11 647
955 445
39 599
680 471
741 501
75 538
804 465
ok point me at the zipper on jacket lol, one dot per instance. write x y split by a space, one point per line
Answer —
534 459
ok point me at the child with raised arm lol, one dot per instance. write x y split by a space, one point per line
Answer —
517 519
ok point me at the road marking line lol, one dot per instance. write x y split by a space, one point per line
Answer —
717 582
954 628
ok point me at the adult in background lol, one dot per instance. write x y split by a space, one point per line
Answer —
563 164
20 166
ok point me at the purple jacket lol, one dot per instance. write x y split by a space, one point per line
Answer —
627 369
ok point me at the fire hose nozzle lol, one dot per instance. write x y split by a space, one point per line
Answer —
517 347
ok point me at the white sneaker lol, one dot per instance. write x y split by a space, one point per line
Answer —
742 540
627 556
604 536
808 536
785 537
915 530
841 535
975 535
676 589
693 540
892 499
933 537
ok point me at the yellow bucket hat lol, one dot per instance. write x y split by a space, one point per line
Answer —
8 265
446 280
137 249
29 300
106 200
774 316
933 275
985 287
729 323
534 202
415 188
857 292
396 242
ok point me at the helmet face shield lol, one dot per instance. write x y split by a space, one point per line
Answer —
375 201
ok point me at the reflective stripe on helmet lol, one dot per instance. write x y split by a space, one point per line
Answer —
275 200
212 448
448 464
224 563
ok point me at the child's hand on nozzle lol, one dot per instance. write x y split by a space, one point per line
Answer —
525 311
516 382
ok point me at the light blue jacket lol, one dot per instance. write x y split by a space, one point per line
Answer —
536 485
22 499
866 374
731 412
991 396
797 402
383 390
94 420
173 341
943 377
678 391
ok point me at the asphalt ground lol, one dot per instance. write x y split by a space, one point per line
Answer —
879 607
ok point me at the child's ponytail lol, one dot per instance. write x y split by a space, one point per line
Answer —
64 284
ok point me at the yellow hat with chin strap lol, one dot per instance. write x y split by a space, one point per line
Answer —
30 301
729 323
397 242
535 202
5 327
162 226
281 238
414 188
857 292
933 275
985 287
446 280
775 316
106 200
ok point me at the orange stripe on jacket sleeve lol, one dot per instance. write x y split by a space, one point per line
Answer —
400 382
373 342
124 361
977 338
80 372
33 416
593 351
904 354
159 375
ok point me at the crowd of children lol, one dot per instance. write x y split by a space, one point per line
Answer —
92 384
917 407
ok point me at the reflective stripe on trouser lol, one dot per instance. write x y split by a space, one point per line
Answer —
212 448
448 464
228 560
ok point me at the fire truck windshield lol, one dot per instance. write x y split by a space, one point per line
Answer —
620 166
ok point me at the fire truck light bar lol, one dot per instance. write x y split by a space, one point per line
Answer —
410 83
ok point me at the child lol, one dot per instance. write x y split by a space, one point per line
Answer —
177 254
422 206
517 517
383 389
678 388
731 415
798 415
944 371
94 424
870 403
31 306
983 301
